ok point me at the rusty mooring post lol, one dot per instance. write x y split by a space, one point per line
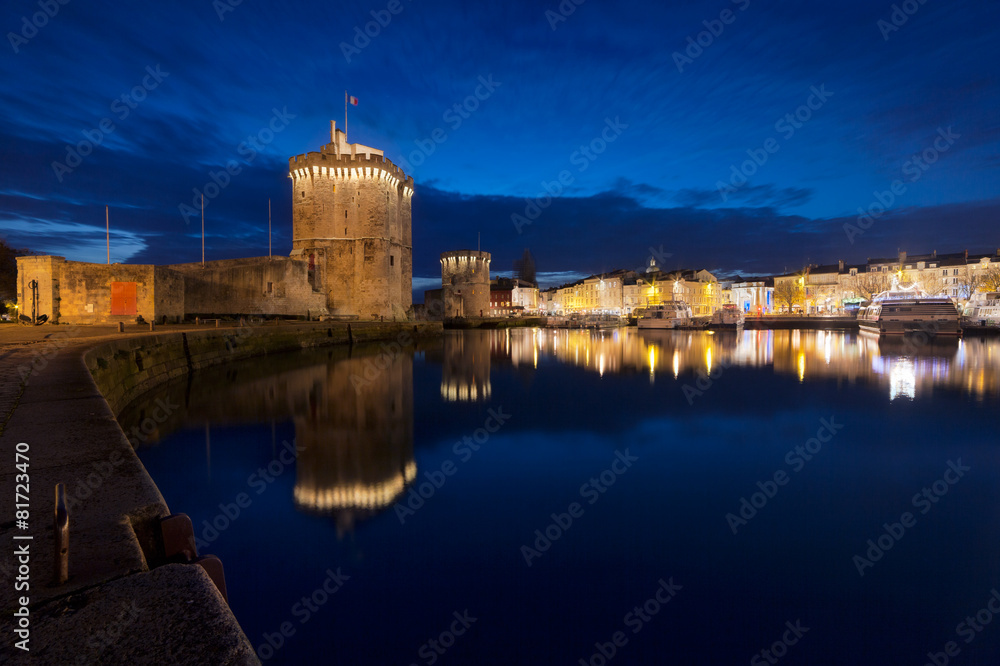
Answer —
61 533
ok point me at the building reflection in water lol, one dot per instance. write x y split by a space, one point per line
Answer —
355 436
353 417
465 375
907 368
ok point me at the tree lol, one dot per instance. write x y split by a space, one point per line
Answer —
933 285
991 278
969 281
789 292
867 285
524 268
8 270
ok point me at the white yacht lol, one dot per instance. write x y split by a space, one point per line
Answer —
729 316
672 314
899 311
983 309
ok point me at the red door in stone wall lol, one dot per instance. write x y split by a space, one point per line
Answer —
123 298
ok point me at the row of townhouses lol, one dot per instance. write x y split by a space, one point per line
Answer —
828 289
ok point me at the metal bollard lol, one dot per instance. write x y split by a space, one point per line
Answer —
61 533
152 326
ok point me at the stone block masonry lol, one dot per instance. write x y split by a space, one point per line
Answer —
352 225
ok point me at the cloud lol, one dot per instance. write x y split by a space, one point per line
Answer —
755 195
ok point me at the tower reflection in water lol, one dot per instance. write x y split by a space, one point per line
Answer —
465 372
354 436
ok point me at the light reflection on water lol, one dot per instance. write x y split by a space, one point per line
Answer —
904 367
371 428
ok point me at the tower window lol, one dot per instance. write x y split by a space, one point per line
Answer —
345 214
392 260
303 194
335 187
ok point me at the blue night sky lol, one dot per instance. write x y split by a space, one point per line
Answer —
666 123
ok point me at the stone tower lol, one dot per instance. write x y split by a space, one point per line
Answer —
351 221
465 283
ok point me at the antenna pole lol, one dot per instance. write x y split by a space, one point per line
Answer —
202 230
107 230
269 228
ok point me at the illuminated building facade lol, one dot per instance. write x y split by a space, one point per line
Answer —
465 283
352 226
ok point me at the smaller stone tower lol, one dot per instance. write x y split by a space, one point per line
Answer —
465 283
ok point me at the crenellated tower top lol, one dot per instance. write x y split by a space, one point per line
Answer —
352 161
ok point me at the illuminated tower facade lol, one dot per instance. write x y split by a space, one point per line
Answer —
351 221
465 283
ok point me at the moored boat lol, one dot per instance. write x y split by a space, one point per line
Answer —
729 316
983 309
900 311
672 314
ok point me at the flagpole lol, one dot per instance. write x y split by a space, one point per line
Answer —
107 229
203 231
269 228
345 114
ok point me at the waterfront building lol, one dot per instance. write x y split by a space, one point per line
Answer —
351 258
465 283
754 296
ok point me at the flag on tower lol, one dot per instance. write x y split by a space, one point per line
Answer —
353 100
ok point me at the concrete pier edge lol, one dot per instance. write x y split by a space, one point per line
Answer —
123 603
